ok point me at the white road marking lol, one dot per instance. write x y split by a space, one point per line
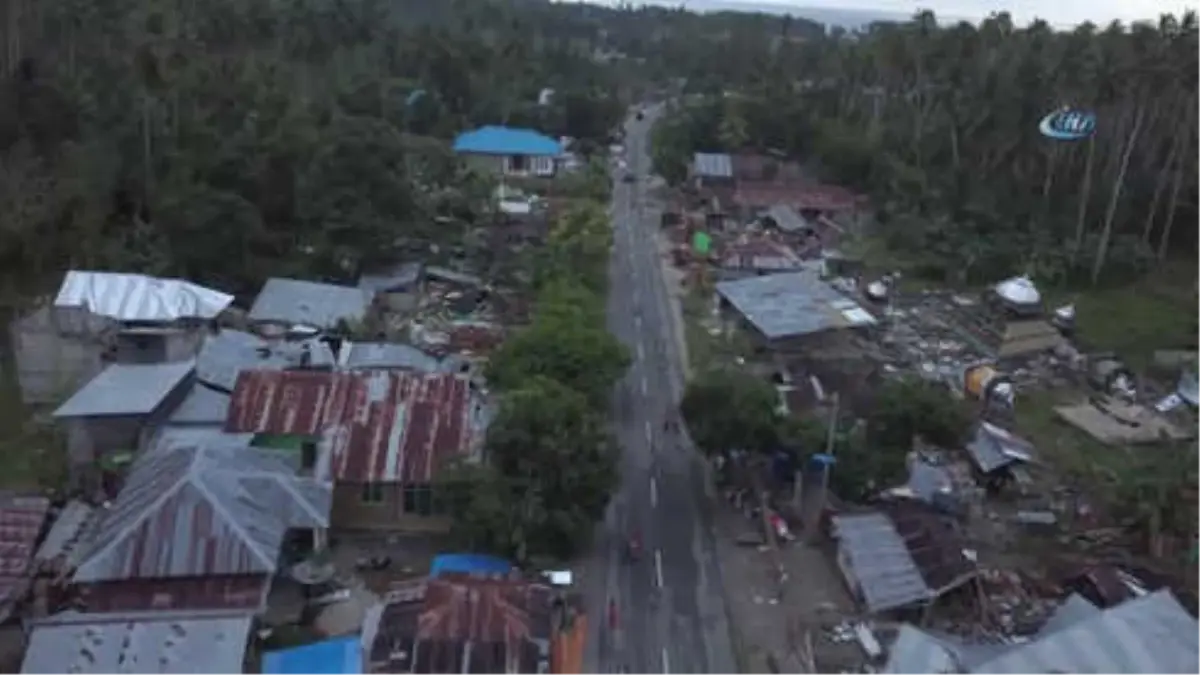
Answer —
658 567
653 492
637 322
649 437
641 351
666 662
645 386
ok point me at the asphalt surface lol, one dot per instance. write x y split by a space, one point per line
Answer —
670 614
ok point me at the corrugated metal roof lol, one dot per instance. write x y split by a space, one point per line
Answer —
994 448
21 522
65 532
79 643
403 277
190 595
792 304
760 254
203 405
1074 609
226 354
1150 634
381 426
127 389
136 297
712 165
201 511
308 303
883 567
786 218
496 140
915 652
460 624
386 355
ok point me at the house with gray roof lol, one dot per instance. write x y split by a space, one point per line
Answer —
1149 634
72 642
198 527
287 304
118 410
901 554
99 318
783 310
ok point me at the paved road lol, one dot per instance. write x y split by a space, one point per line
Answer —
671 615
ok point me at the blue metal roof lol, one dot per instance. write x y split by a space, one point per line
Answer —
506 141
335 655
469 563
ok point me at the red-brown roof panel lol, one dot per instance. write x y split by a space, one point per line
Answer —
381 426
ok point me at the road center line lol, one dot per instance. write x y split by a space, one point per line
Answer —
637 322
658 567
649 437
645 385
641 351
653 492
666 661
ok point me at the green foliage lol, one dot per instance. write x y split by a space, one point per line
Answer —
939 126
227 144
564 343
872 453
908 408
730 410
551 468
578 248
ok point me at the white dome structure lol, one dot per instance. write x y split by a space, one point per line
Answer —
1019 291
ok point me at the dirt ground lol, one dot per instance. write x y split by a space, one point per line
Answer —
783 632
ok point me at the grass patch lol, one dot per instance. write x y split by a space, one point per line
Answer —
1061 445
705 349
32 451
1134 323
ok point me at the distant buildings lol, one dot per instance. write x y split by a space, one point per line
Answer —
510 152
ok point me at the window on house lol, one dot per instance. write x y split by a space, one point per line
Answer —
372 493
518 163
418 500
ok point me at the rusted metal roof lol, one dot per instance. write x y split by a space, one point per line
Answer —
760 254
21 521
189 511
233 592
826 198
381 426
459 625
763 194
750 167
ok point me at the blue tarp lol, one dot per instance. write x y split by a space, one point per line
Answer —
507 141
469 563
335 655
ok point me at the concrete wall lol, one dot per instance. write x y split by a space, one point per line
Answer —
52 362
352 513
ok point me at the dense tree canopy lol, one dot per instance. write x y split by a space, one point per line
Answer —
729 410
940 126
227 143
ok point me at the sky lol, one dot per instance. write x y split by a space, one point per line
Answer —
1060 13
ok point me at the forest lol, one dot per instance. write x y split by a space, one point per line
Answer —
939 125
227 143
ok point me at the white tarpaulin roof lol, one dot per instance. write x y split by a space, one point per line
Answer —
137 297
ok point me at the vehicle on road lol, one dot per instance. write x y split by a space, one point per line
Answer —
634 547
629 178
